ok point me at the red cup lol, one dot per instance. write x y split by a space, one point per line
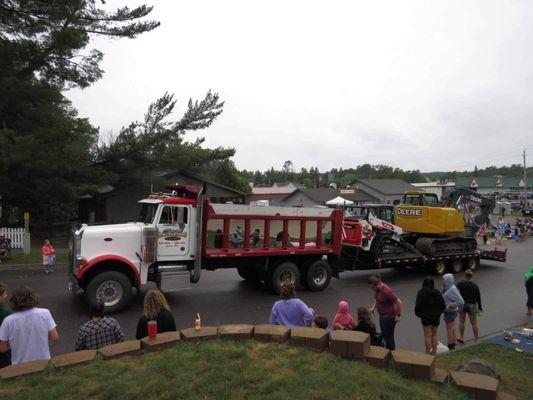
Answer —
152 329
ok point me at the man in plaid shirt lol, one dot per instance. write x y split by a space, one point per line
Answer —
99 331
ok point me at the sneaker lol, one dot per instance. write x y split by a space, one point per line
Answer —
451 346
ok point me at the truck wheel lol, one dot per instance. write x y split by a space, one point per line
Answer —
318 276
286 270
112 288
472 263
439 268
249 274
456 266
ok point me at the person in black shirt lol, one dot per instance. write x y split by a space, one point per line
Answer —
429 307
365 324
470 293
155 308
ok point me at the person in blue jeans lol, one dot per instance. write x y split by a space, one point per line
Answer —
389 308
290 311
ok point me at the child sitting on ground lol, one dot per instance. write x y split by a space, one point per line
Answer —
343 320
367 325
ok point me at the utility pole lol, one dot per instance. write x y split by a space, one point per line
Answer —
525 180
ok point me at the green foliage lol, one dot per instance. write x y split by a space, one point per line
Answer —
225 370
341 177
47 39
158 144
489 172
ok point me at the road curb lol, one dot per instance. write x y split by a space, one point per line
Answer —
28 267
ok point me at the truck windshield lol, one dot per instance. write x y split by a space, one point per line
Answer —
147 213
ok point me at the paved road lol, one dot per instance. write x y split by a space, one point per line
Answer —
223 297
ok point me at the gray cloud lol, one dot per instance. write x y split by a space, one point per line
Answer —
427 85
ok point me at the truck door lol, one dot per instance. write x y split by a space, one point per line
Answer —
173 233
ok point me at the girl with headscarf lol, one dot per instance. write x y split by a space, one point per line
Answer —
528 279
343 320
454 302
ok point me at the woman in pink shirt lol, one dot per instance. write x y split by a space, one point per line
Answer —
49 256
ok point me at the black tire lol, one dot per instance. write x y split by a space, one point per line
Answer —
455 266
283 271
250 274
112 284
318 276
471 263
438 268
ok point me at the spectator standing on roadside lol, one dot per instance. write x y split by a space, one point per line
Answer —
155 308
454 302
5 357
343 320
290 311
528 279
472 298
99 331
389 307
28 330
429 306
49 256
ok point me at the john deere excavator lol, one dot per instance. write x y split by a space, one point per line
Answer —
448 226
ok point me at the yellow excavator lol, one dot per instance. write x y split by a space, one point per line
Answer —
446 226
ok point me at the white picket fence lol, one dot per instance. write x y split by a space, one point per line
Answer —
15 234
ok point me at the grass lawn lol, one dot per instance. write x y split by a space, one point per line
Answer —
225 370
515 369
34 258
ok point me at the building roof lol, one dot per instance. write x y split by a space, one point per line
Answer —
273 190
433 184
321 195
386 186
107 191
491 182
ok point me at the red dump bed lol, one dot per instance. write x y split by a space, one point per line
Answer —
302 230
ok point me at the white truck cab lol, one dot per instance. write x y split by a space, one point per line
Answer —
107 261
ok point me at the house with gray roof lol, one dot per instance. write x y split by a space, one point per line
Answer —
386 191
318 197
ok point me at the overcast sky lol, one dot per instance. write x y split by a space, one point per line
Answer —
430 85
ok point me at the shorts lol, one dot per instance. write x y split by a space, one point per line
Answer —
430 320
470 309
450 316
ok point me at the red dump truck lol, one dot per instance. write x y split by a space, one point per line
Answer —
180 234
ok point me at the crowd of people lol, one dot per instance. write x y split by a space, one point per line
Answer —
504 230
26 329
454 301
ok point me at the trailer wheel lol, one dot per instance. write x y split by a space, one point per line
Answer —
456 266
472 263
110 287
318 276
249 274
286 270
439 268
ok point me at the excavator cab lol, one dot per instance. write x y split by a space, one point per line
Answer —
421 213
420 199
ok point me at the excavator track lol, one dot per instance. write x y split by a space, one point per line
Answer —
445 245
